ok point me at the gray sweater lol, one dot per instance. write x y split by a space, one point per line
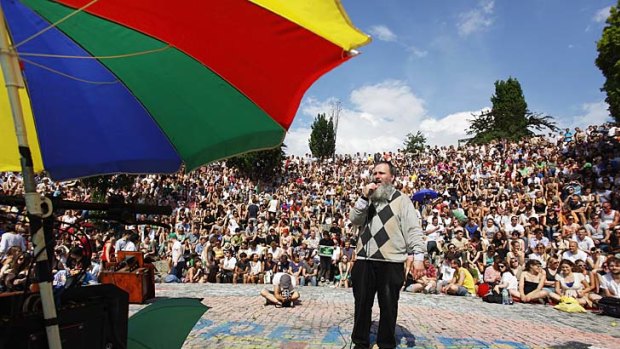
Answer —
389 230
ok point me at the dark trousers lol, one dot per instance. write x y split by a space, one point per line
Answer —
325 267
386 280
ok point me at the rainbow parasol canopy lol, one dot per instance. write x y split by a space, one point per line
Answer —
142 86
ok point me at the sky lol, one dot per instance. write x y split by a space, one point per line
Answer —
432 63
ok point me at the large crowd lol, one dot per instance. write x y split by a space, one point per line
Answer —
538 218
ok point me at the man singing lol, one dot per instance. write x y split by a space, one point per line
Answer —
391 236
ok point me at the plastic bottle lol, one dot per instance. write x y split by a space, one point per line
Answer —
505 297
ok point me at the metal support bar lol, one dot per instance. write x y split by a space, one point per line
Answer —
10 68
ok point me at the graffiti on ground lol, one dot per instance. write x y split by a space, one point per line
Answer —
256 334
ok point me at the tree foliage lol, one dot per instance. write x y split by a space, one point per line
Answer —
415 143
101 184
509 117
608 61
322 141
259 165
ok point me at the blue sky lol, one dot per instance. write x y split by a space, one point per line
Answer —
433 63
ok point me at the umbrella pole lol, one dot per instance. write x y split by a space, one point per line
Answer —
12 75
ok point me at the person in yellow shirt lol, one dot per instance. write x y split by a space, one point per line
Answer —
462 284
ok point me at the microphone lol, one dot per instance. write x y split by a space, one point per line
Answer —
376 181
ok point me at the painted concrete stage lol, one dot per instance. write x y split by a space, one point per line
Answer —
238 318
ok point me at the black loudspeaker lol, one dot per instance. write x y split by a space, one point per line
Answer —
89 317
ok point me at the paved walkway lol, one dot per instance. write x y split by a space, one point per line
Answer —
238 318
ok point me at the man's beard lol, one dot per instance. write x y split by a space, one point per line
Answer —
382 193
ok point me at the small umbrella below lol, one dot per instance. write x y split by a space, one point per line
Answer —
164 324
423 194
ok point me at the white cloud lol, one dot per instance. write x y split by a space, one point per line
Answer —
391 99
601 15
382 32
378 119
593 114
449 129
476 20
417 52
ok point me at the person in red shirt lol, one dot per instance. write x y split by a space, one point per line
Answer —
427 282
108 251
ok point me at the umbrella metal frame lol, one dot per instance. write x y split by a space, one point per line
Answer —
10 68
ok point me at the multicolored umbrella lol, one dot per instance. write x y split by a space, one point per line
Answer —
142 86
174 318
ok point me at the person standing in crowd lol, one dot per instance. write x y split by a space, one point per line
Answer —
176 260
130 245
108 254
434 237
391 235
11 239
325 268
120 243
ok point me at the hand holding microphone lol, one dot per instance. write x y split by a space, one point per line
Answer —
371 187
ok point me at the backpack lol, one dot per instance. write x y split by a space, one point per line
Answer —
493 297
610 306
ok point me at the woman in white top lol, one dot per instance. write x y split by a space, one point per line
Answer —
256 270
570 284
508 281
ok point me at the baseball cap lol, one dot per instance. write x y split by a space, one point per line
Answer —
286 282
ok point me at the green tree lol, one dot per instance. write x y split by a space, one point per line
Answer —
608 61
101 184
322 139
509 117
262 165
415 143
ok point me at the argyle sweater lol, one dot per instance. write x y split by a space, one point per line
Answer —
389 230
